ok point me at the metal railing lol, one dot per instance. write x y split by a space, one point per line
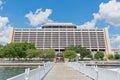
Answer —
94 72
35 74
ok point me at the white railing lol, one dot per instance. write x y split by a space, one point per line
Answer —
94 72
35 74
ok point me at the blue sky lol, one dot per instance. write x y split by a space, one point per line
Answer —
83 13
74 11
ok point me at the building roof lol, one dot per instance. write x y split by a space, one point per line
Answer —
59 25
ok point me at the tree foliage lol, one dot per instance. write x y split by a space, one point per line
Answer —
1 46
117 56
25 50
15 50
48 54
70 54
99 55
83 52
80 50
31 53
71 47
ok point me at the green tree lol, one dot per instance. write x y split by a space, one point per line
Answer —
117 56
8 51
1 53
99 55
1 46
48 54
90 56
72 47
16 50
39 53
31 53
83 52
20 48
70 54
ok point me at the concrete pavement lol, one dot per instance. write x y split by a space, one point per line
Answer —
61 72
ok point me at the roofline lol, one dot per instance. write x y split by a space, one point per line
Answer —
59 24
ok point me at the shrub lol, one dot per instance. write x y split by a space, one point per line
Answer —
109 56
117 56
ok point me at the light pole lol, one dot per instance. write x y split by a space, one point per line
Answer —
93 55
78 55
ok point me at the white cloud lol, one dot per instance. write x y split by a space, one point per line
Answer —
115 41
4 27
88 24
3 21
39 17
110 12
1 3
4 30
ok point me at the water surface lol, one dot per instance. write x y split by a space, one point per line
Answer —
110 67
8 72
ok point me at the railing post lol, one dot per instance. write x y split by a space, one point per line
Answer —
96 73
44 66
118 74
39 72
27 73
80 66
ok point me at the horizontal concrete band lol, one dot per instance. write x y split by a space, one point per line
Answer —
21 64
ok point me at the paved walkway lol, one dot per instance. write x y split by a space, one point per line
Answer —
61 72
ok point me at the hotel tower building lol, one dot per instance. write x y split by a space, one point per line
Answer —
60 35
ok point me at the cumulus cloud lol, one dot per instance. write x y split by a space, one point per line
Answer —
39 17
110 12
4 27
87 25
4 30
3 21
115 41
